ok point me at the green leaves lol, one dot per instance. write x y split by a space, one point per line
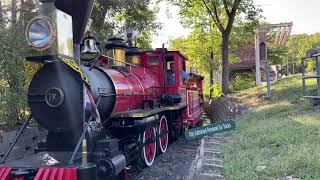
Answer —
13 74
111 18
206 36
242 81
230 22
197 47
13 88
296 48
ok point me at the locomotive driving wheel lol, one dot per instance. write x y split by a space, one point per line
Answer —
163 134
149 147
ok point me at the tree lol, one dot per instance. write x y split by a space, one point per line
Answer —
203 40
220 15
13 72
111 18
108 18
290 55
299 44
230 8
197 47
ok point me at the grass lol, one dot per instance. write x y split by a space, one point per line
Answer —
282 134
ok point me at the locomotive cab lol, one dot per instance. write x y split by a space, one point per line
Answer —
178 86
170 69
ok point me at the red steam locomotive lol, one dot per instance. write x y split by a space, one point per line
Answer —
123 108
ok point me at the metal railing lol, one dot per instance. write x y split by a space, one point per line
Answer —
304 77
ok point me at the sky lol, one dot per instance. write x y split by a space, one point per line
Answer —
171 27
303 13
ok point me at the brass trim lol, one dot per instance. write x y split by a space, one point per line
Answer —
147 112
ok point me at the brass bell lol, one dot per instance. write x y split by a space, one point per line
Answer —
89 48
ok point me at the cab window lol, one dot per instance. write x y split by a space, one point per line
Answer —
170 74
184 75
153 60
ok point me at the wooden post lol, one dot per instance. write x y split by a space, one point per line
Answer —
318 74
287 64
268 75
268 81
293 65
257 55
303 88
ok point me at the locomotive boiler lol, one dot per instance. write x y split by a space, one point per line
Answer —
102 111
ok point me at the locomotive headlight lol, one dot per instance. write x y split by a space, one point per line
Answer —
40 33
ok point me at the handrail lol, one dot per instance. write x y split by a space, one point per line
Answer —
311 77
130 64
312 56
75 151
304 77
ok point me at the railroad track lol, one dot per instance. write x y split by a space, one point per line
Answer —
172 165
178 161
191 160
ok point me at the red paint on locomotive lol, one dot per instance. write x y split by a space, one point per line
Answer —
136 84
133 85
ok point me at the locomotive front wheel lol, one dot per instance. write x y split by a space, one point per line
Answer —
163 134
149 147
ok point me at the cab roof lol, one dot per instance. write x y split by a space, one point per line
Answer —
159 50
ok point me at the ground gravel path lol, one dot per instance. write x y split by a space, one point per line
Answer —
174 164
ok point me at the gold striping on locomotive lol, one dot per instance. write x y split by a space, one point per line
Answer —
73 65
147 112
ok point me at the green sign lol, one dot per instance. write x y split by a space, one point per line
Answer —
211 129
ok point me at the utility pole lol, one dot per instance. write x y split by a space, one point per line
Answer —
257 54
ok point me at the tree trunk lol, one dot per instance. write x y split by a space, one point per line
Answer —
211 76
225 62
23 10
14 12
1 14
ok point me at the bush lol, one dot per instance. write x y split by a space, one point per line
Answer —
310 65
242 81
217 90
13 76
